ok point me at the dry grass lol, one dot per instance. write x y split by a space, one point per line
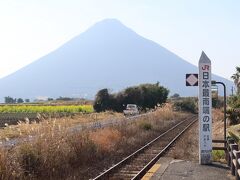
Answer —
218 123
106 139
189 140
9 166
218 133
57 154
167 112
24 129
219 156
217 115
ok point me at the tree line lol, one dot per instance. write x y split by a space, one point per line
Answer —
146 96
11 100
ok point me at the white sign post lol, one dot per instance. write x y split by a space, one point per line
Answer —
205 110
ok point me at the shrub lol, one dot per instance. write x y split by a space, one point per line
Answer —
233 136
175 95
234 101
217 102
29 158
9 165
146 96
103 101
186 104
218 155
146 126
233 116
233 113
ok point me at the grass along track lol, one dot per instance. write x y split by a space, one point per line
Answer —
90 126
138 163
81 154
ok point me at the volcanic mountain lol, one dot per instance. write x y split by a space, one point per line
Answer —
107 55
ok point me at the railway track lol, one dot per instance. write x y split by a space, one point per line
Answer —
137 164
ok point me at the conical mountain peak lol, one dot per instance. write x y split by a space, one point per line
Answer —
107 55
110 27
110 22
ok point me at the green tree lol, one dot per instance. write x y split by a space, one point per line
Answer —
133 95
234 101
153 95
145 96
236 79
9 100
20 100
175 95
186 104
64 98
103 101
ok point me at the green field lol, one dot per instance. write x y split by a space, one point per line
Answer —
46 109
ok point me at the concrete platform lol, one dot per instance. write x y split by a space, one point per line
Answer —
171 169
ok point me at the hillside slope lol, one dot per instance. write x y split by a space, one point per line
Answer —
107 55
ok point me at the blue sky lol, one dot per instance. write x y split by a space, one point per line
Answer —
32 28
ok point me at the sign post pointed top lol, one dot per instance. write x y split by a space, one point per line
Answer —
205 110
204 58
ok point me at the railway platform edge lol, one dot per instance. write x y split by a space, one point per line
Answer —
168 168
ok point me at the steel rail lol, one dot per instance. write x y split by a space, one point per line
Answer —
128 158
155 159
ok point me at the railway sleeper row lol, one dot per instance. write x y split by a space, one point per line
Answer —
138 161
